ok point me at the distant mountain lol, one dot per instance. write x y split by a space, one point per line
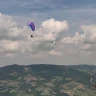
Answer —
85 68
45 80
91 69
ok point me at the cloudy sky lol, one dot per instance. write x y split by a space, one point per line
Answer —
70 23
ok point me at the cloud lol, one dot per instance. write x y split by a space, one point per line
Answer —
52 52
9 46
90 33
84 43
14 39
9 29
49 31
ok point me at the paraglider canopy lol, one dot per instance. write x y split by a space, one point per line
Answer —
53 42
31 24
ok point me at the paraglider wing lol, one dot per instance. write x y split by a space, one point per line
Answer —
53 42
31 24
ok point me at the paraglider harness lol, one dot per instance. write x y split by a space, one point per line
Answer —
32 36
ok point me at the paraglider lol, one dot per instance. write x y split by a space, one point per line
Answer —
53 42
32 26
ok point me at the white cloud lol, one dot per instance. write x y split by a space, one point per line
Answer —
9 29
52 52
90 33
9 46
11 55
54 26
82 44
15 39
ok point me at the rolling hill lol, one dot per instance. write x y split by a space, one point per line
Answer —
45 80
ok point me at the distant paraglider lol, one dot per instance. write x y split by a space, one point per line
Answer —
54 43
32 26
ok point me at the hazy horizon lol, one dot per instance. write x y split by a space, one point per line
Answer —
48 64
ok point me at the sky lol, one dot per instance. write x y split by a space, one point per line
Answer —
70 23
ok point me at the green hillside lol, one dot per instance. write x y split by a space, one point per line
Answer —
44 80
